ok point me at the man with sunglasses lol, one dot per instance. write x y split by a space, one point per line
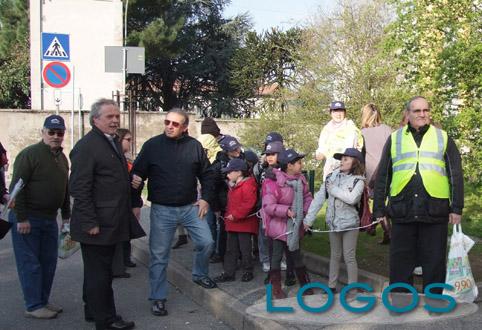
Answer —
44 170
173 162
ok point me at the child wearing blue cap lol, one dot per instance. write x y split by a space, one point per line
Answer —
342 190
240 221
286 198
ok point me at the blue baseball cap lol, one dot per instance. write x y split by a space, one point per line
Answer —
274 148
54 122
229 143
289 156
272 137
235 164
337 105
351 152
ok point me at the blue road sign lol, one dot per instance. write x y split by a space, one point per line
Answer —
56 74
55 46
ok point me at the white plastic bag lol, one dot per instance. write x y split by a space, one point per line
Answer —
459 274
67 246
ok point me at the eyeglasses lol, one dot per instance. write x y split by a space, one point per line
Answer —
58 133
174 123
127 139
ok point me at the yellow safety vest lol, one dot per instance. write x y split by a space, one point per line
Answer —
429 158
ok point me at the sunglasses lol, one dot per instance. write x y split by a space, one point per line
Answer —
58 133
174 123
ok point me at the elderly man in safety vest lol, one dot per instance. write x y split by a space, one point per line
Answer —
420 172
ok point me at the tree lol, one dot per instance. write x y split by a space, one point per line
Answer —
188 47
439 55
345 58
342 56
266 60
14 54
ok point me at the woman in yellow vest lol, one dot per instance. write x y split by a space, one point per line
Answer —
421 174
339 134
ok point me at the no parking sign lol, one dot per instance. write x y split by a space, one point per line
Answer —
56 74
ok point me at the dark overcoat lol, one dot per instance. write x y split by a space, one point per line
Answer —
100 187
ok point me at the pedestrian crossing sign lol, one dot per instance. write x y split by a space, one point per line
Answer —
55 46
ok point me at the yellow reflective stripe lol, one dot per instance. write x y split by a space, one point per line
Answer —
440 140
432 167
398 145
431 154
404 167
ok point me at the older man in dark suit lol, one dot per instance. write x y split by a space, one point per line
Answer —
102 213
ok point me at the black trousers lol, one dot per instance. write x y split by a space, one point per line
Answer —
127 251
293 258
98 295
222 239
418 244
238 242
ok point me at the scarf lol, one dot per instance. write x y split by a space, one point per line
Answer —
293 225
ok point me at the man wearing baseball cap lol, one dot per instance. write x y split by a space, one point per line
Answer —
340 133
44 170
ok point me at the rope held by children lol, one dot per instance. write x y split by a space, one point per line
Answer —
334 231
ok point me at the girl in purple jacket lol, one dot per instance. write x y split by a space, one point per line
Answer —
286 199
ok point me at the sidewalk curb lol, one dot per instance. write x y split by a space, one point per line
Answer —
222 305
321 266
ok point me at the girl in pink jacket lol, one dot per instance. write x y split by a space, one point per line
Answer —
286 199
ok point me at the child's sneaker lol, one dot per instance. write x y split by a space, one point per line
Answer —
283 265
418 271
266 267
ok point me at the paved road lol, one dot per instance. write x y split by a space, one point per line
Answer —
130 295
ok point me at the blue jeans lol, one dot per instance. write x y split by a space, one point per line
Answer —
263 244
164 221
36 258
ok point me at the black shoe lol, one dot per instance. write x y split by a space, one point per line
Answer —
120 324
206 283
215 259
224 278
158 308
181 240
248 276
123 275
130 264
87 315
290 279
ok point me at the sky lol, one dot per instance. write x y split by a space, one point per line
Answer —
282 13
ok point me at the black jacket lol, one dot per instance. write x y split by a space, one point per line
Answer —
100 186
413 203
172 167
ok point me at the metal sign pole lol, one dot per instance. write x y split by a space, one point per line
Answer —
41 61
124 73
80 116
72 113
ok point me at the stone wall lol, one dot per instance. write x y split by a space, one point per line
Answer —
20 128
